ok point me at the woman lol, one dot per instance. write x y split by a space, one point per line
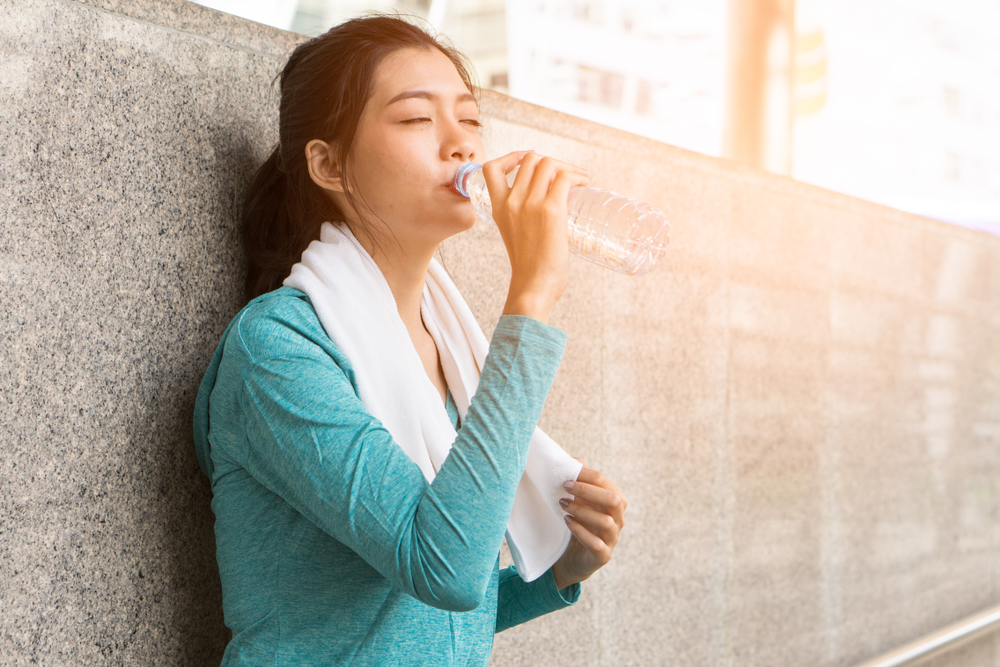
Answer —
336 546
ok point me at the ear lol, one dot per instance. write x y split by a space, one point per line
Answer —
323 169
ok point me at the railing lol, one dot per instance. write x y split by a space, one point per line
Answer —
938 642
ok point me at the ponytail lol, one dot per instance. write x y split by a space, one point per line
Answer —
275 229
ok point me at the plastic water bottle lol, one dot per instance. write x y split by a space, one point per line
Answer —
606 228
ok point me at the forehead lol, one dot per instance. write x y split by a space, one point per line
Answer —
416 69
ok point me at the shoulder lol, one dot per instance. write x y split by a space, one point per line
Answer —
281 323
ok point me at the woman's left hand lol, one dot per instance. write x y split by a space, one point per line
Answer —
595 516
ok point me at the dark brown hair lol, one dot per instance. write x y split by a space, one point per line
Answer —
325 86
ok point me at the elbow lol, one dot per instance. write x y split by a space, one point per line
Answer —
462 600
453 591
446 570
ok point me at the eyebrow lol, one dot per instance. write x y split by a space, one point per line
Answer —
423 94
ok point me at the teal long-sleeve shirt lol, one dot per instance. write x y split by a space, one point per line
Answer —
332 547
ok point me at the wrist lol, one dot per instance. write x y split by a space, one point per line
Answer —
562 578
529 305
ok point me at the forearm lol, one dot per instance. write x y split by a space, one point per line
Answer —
463 515
519 602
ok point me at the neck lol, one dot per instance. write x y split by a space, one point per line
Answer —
405 270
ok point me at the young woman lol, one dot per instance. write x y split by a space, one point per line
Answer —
338 542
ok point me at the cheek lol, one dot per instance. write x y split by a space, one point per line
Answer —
390 180
390 169
407 161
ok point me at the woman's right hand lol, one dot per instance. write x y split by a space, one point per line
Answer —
531 216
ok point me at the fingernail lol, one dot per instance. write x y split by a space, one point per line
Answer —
568 518
564 502
568 486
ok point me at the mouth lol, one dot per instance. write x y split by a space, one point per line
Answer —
450 186
452 183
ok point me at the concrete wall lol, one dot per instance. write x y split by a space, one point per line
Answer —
802 403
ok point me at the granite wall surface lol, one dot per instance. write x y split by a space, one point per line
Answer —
802 403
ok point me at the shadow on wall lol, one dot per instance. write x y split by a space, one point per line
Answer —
192 547
175 590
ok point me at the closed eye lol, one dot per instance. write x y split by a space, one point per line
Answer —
473 122
415 120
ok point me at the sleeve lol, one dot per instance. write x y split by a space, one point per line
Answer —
519 602
311 441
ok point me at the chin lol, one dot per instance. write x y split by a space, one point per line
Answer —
459 226
465 221
470 223
458 229
449 220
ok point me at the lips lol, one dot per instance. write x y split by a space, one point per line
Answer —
451 185
454 176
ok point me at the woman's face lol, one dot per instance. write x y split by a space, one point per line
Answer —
420 124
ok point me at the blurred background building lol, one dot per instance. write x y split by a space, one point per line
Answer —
891 101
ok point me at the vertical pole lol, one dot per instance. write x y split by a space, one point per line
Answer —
437 13
758 128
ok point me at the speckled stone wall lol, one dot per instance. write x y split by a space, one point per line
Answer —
802 404
127 141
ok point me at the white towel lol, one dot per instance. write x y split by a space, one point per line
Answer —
358 312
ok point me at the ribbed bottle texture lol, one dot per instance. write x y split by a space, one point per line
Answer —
606 228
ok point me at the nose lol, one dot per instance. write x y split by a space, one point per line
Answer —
459 142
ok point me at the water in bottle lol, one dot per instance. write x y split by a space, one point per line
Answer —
606 228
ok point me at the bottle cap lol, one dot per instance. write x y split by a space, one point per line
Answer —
461 176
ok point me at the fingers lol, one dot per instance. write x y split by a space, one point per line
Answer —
596 490
564 181
601 550
536 176
495 172
596 514
600 524
595 517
